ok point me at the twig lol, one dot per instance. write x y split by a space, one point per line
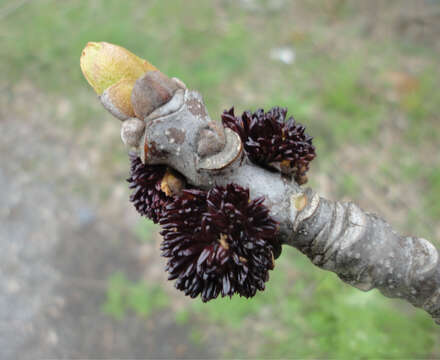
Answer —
360 247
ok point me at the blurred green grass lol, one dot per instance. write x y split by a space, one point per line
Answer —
223 50
124 295
317 316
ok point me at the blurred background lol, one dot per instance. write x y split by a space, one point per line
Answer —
81 275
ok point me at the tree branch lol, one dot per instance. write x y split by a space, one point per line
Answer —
360 247
365 252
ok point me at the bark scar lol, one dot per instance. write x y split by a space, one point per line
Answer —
175 136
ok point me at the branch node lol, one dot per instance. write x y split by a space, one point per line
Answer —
232 151
307 211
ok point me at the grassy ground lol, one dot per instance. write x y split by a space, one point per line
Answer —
364 81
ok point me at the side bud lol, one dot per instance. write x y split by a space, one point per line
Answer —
132 131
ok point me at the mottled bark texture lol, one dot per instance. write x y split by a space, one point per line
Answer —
360 247
365 252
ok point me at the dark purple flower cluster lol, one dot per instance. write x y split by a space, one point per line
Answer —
218 242
145 181
272 141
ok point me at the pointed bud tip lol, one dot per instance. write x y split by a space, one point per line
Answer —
104 64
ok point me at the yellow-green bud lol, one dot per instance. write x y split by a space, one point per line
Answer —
119 95
104 64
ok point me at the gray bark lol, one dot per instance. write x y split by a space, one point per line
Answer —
360 247
365 252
